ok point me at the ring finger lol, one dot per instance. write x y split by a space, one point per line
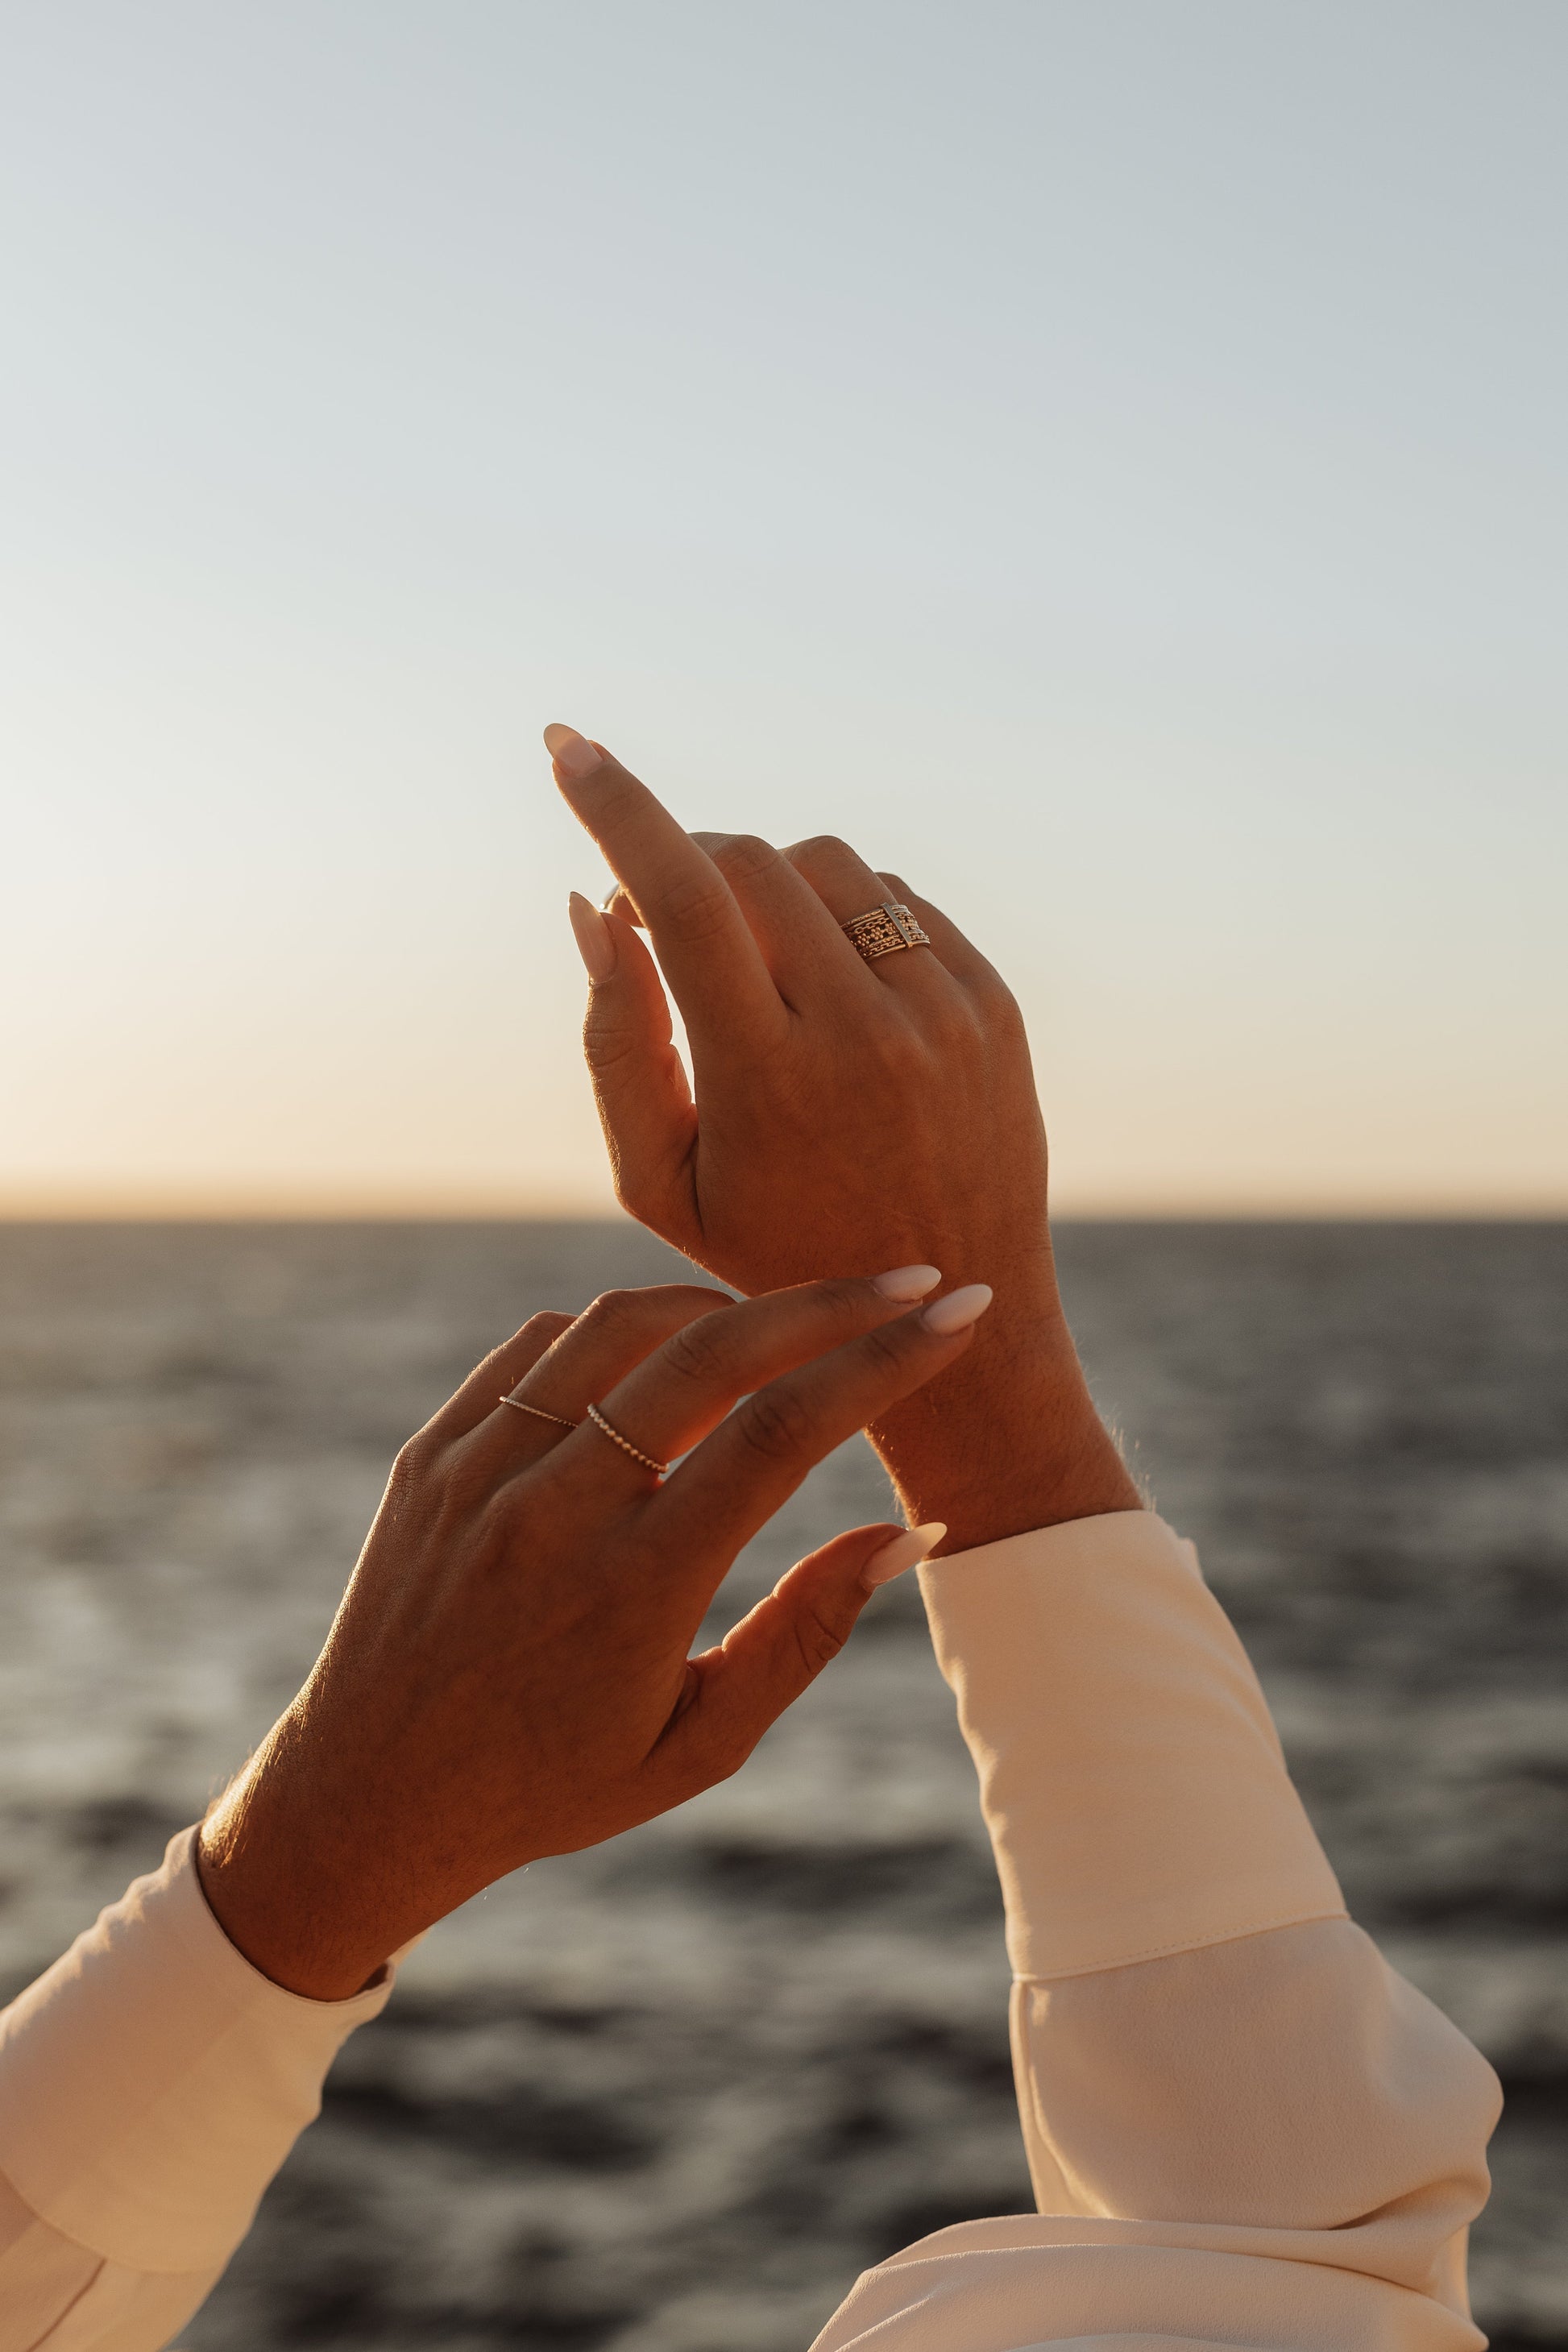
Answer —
669 1402
848 887
591 1355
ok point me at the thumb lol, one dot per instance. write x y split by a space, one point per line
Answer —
779 1648
645 1104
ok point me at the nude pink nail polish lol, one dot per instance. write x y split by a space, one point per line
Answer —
908 1283
958 1311
572 753
595 940
905 1551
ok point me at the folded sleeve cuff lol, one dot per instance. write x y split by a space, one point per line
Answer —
1129 1773
151 2081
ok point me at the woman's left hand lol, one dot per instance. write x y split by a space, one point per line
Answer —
509 1674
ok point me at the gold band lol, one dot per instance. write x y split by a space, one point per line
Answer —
614 1435
539 1413
884 931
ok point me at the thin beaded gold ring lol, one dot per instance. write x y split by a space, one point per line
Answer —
659 1469
539 1413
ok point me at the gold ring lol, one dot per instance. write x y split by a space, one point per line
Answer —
884 931
518 1405
659 1469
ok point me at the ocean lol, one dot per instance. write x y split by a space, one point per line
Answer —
671 2095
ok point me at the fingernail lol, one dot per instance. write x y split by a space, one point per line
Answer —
572 753
908 1282
958 1311
595 940
905 1551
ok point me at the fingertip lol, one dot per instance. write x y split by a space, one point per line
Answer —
958 1311
595 939
907 1550
574 754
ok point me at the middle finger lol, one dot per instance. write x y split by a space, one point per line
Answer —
683 1390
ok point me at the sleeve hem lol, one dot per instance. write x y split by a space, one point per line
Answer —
1197 1943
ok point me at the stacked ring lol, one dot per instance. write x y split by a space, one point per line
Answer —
659 1469
539 1413
885 929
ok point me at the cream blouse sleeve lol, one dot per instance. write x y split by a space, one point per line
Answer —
152 2082
1243 2128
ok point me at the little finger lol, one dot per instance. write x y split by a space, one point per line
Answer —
500 1370
960 955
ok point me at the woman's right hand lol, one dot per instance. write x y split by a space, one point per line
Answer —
837 1109
510 1674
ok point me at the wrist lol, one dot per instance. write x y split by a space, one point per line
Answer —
1009 1438
298 1914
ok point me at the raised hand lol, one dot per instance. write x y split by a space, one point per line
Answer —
509 1674
836 1105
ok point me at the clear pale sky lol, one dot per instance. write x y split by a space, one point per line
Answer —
1107 459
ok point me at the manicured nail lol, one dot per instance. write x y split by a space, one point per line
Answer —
572 753
907 1550
908 1282
595 940
958 1311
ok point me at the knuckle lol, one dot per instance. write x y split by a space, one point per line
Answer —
776 1423
414 1465
821 852
696 907
818 1641
607 1036
843 1302
999 1008
898 1050
546 1326
742 856
700 1352
615 1315
888 1348
954 1020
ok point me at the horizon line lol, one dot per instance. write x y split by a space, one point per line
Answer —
268 1206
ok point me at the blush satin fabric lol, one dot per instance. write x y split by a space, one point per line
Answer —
1243 2128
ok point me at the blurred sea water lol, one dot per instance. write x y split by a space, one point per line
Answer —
671 2095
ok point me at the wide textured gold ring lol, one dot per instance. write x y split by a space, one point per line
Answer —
659 1469
884 931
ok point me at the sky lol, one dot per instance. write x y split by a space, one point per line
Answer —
1104 458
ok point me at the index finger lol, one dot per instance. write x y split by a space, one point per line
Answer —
712 963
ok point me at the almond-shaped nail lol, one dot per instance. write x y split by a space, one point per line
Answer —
905 1551
958 1311
908 1283
595 940
572 753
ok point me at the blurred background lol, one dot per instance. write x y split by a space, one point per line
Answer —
1107 461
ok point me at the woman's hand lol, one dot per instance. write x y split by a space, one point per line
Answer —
839 1105
509 1674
